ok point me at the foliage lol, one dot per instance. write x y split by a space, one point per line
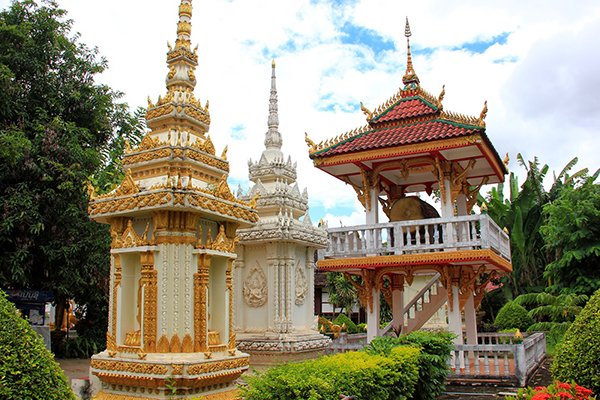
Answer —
58 128
342 293
363 375
350 326
513 315
522 215
552 313
556 391
435 350
26 367
578 355
361 327
572 235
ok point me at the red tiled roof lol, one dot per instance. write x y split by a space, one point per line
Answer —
400 135
410 107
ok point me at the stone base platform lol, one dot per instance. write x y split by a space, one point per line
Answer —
269 349
155 376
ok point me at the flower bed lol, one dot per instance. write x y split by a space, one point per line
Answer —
556 391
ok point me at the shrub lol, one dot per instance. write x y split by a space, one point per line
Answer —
343 319
436 348
578 355
27 369
361 327
363 375
512 316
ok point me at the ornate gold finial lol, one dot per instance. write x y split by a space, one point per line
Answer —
224 155
273 63
169 46
506 160
366 111
312 146
410 79
483 112
441 97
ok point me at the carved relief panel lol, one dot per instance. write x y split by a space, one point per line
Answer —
255 286
301 284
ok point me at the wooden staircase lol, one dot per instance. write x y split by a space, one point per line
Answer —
422 307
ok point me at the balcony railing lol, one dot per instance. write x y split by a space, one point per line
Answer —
469 232
498 358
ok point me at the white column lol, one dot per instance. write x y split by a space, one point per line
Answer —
454 316
397 286
373 318
471 320
372 216
461 204
447 205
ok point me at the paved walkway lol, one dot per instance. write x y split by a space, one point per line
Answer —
75 367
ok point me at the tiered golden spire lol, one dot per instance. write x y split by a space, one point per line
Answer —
181 60
410 79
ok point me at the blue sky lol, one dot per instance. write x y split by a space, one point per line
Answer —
536 67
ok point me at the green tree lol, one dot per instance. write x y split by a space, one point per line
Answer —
522 215
578 356
27 369
342 293
57 127
552 312
572 235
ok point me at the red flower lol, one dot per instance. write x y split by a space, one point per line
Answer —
564 386
539 389
564 395
541 396
583 391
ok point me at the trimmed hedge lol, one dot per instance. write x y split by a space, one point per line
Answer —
27 369
343 319
513 315
360 374
578 355
433 369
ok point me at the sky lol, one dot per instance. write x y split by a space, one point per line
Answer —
536 63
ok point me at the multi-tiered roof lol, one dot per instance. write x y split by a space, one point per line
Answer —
408 135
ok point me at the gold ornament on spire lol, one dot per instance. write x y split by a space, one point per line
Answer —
410 79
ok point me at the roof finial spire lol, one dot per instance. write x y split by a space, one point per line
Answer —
184 26
273 137
182 60
410 79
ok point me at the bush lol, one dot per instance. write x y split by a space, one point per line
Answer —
343 319
436 348
27 369
512 316
578 355
361 327
363 375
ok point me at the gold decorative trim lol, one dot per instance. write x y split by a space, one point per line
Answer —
443 258
163 345
229 395
175 344
150 287
211 367
164 197
121 366
187 346
397 151
200 316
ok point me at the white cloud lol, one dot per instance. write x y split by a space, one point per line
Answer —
541 84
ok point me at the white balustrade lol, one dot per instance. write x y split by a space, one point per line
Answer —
424 235
498 357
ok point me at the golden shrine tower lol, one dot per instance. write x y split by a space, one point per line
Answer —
173 221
